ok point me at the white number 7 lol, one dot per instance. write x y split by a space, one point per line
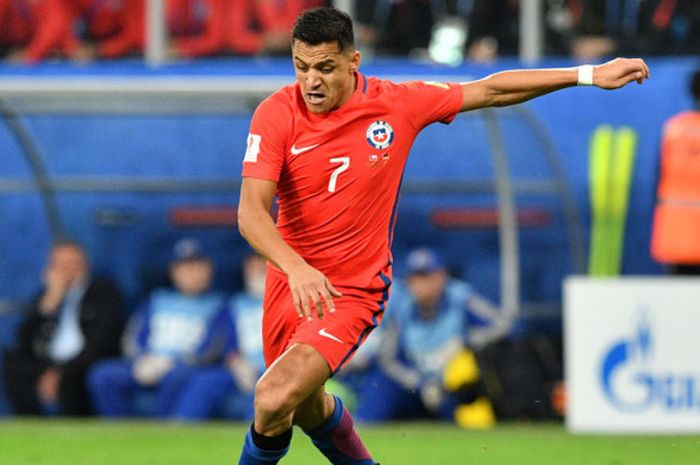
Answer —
345 164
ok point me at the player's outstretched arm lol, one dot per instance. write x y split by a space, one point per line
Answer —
309 287
512 87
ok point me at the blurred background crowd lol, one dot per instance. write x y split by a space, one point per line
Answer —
480 30
189 352
188 347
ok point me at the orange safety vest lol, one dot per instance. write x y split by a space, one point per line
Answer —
676 230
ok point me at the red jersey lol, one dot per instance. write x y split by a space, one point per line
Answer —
338 174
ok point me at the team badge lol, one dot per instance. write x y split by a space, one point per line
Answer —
380 135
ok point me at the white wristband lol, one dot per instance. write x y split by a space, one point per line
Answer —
585 75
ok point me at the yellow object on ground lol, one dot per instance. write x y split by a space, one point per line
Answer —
477 415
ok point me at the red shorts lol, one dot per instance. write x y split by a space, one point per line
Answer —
336 337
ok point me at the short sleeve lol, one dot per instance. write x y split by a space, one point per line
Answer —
428 102
267 141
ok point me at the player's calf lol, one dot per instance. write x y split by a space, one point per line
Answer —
337 439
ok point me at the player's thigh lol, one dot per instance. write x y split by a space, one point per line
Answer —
280 318
297 374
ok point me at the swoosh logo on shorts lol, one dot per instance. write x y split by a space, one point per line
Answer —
324 333
300 150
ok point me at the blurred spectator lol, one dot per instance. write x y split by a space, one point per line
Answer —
393 27
211 388
276 19
676 230
212 20
494 28
208 27
174 332
194 25
32 30
224 26
98 21
131 32
607 27
75 322
425 353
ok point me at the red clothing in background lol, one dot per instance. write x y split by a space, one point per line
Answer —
100 18
131 34
226 26
198 27
279 15
41 27
237 26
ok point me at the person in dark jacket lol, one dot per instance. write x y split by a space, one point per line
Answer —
75 321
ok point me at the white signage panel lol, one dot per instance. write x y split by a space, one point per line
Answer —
632 354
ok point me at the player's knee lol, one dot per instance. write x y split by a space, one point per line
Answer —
271 399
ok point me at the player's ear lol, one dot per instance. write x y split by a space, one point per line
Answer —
355 61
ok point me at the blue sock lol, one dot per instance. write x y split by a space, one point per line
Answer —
262 450
337 439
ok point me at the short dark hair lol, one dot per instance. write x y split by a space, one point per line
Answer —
325 24
695 85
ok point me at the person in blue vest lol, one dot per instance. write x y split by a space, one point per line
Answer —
427 367
226 390
173 332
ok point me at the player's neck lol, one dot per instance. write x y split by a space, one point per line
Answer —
352 87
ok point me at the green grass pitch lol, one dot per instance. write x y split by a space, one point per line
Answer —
61 442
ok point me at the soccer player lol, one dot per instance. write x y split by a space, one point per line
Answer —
332 148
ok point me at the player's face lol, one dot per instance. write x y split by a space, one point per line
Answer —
325 74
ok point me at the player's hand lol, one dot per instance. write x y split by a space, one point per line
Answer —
620 72
311 290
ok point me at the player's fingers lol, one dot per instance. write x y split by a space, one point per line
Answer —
297 305
318 302
332 290
306 307
643 67
329 301
647 72
640 71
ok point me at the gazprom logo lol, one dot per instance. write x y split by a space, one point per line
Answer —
633 382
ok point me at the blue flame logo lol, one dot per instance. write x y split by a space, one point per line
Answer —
630 383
